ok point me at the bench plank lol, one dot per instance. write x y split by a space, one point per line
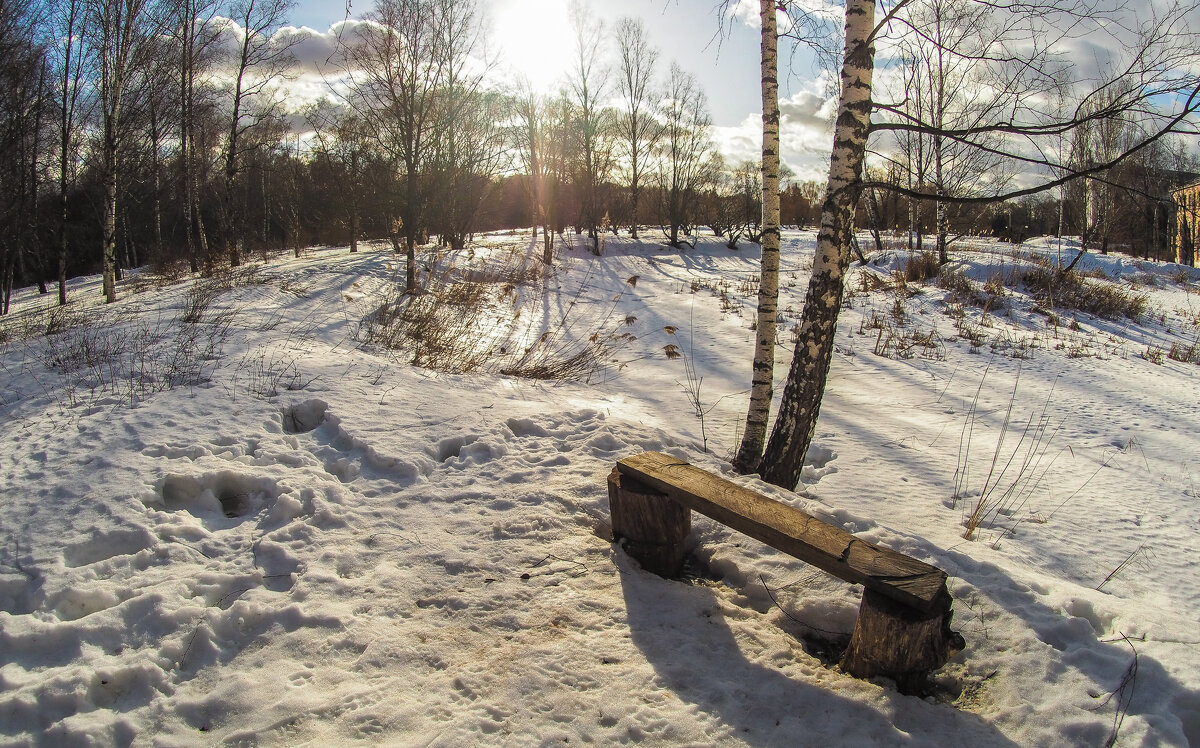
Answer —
790 530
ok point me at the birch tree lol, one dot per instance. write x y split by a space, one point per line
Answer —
763 367
258 64
792 433
639 130
685 152
122 40
1157 54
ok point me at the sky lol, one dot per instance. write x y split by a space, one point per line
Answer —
533 38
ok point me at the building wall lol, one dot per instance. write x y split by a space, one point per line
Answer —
1187 223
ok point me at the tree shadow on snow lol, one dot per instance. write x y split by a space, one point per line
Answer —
1082 637
685 636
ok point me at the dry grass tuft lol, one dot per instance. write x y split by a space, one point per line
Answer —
467 320
921 267
1069 290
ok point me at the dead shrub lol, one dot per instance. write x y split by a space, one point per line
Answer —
869 281
1187 354
1069 290
466 320
960 289
901 343
130 357
921 267
994 286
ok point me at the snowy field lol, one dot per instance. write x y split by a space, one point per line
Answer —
232 514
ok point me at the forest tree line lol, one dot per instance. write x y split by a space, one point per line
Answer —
159 131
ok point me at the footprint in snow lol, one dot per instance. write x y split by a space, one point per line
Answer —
224 499
105 545
304 417
467 449
817 464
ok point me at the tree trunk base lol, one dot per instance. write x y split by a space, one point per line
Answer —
652 526
899 642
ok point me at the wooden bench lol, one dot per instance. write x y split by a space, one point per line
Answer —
903 627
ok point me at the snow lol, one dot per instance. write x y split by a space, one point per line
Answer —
258 529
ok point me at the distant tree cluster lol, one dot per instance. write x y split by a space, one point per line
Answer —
158 131
145 130
135 131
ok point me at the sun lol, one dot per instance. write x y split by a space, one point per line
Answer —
535 40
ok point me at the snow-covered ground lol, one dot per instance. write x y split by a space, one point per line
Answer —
257 527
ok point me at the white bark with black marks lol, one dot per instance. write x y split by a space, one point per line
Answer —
761 388
797 419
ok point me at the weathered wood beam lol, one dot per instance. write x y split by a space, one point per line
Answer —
832 549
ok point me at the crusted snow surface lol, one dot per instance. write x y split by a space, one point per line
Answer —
257 529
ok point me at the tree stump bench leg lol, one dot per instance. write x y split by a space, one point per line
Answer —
653 526
893 640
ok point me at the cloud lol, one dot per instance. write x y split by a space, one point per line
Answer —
315 52
318 52
745 11
824 11
805 134
319 57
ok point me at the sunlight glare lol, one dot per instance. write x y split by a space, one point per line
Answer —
535 40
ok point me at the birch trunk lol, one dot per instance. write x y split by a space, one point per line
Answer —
109 224
805 385
749 455
943 225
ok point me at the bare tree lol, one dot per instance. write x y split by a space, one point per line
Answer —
912 153
947 90
531 145
194 35
556 162
122 41
639 129
157 95
23 100
588 87
67 60
258 63
342 144
403 67
470 143
466 161
685 152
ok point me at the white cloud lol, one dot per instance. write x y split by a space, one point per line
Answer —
321 51
805 134
747 12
